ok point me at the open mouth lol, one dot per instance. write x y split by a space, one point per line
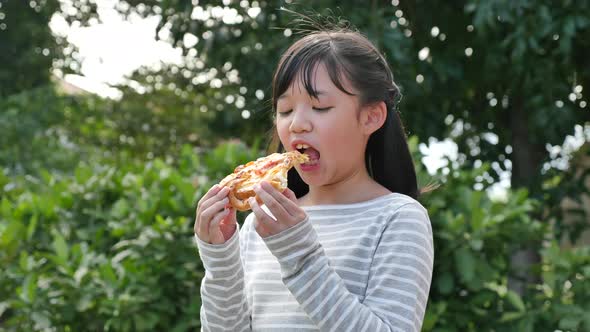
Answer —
313 154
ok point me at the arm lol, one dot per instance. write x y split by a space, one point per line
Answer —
223 303
223 300
399 277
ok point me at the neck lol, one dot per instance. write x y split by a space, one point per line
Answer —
356 187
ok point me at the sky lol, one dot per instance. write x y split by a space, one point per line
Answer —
111 48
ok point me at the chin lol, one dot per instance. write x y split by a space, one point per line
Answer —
314 181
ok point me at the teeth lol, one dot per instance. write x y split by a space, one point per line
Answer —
301 146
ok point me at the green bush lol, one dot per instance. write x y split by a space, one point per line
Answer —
474 240
42 129
97 239
31 136
108 247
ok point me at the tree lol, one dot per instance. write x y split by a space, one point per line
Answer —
27 44
502 78
507 76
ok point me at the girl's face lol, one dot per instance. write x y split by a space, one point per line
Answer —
329 125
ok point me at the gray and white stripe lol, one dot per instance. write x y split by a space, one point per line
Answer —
356 267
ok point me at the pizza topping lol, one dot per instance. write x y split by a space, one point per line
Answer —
313 154
304 148
272 168
270 164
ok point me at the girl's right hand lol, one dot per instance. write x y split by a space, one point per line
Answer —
215 222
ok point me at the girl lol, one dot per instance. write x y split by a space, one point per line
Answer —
346 247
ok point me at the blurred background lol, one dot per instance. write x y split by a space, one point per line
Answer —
116 116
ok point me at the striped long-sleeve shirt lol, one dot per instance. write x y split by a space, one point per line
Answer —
351 267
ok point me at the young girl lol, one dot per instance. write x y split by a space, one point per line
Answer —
347 247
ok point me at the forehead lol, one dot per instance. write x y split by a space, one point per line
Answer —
319 81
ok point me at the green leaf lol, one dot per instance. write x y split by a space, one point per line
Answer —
570 323
445 283
3 306
107 272
10 235
146 322
465 263
5 207
84 303
41 320
32 226
28 288
515 301
60 246
569 28
120 208
510 316
476 244
527 324
477 213
24 261
430 319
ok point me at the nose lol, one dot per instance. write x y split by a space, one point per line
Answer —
300 121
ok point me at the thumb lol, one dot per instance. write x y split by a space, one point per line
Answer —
230 219
228 225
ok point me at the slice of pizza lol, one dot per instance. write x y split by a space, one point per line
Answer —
272 168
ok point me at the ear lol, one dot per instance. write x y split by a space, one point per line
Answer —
373 117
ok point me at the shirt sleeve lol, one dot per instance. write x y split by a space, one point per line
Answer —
399 276
223 300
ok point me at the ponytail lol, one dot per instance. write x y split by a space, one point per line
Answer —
388 157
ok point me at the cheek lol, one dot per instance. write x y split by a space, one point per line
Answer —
342 138
283 131
340 129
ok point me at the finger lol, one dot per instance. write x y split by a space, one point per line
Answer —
290 195
261 229
230 218
207 215
272 204
212 191
265 223
228 224
215 234
221 193
289 205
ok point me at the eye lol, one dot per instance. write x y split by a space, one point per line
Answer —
284 113
323 109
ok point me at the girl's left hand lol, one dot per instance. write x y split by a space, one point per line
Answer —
282 205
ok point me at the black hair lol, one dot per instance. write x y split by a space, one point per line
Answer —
348 55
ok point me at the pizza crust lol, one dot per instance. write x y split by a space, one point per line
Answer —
272 168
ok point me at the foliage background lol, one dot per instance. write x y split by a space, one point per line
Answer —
97 196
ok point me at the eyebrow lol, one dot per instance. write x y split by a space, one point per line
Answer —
287 95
